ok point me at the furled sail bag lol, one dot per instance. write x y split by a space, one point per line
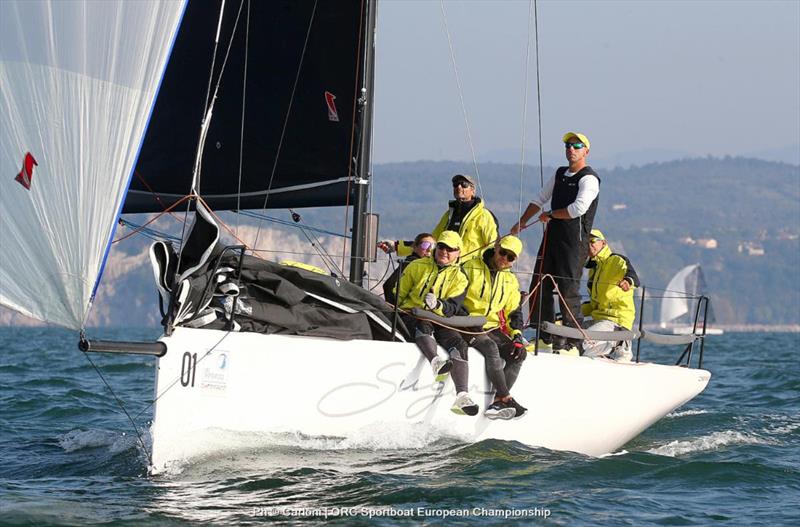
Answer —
266 297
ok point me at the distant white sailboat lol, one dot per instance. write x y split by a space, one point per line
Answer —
681 301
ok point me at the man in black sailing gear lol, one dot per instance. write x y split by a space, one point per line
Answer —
573 193
467 215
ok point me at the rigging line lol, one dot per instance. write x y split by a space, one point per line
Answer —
461 95
150 233
194 191
525 109
288 223
244 106
214 55
538 92
326 259
121 406
286 118
150 189
350 158
154 219
371 189
222 223
330 263
382 278
210 108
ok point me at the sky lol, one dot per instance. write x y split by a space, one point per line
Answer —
645 80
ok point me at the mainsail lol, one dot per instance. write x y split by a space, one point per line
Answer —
285 116
77 84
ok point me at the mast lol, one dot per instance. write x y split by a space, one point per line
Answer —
363 156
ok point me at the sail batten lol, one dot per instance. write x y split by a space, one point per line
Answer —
77 84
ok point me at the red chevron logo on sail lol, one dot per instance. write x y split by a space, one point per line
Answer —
25 175
333 115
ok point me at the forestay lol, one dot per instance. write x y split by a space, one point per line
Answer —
77 84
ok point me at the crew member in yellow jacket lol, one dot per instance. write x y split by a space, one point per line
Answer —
612 280
437 284
493 292
467 215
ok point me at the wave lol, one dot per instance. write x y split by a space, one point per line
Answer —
709 442
115 442
684 413
213 443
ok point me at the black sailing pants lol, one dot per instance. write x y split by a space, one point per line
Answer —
563 258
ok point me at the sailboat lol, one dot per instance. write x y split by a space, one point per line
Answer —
112 99
685 296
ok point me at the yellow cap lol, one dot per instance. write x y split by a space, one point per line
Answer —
575 135
451 239
596 235
511 243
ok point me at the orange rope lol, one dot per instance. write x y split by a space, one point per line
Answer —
138 229
564 304
224 225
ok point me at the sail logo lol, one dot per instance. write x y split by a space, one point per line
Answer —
26 174
333 115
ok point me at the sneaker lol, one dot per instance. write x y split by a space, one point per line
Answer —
500 410
463 405
570 352
519 410
441 367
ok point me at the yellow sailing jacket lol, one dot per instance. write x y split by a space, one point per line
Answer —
489 295
424 276
607 300
478 231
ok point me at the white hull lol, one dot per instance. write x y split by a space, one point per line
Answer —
321 387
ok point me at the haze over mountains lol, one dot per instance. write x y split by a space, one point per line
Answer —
739 218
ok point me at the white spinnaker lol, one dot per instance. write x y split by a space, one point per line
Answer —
676 298
78 80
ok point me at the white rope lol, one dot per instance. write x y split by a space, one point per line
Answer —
244 106
538 94
461 96
525 109
211 101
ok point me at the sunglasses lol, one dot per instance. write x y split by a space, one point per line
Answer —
508 255
462 184
446 248
425 245
576 146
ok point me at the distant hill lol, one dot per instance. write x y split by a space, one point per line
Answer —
744 204
652 213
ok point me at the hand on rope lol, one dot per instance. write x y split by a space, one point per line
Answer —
387 246
515 230
519 347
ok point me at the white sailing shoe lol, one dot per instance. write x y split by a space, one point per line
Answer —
463 405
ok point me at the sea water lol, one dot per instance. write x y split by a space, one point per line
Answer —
70 456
